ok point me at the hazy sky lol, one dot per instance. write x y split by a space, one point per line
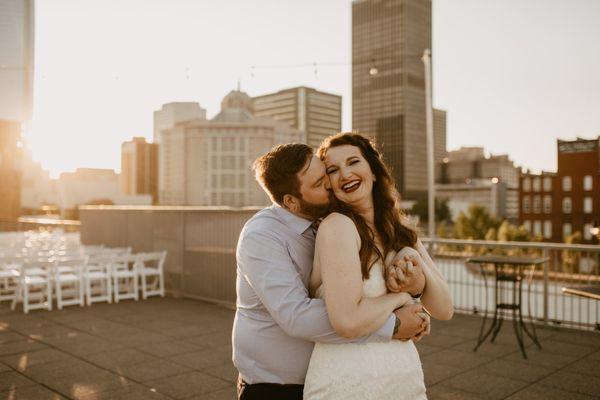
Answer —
514 75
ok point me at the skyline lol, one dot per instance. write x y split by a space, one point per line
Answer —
110 81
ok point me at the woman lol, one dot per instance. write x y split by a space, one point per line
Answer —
351 246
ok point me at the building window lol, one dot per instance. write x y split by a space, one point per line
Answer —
526 184
227 199
526 209
537 204
537 228
547 229
587 231
228 162
547 204
587 205
228 144
547 184
228 182
566 205
587 182
567 229
527 225
567 183
537 184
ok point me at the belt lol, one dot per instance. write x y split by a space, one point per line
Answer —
242 382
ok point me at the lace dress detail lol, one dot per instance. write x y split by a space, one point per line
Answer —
370 371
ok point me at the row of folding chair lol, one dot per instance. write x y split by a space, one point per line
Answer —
103 276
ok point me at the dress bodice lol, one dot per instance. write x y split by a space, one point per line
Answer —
374 286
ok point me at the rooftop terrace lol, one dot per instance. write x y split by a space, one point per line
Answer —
180 349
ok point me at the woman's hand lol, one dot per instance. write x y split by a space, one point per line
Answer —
406 275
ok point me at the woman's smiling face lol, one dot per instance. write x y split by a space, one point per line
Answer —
350 175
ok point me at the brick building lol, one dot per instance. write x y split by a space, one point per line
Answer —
555 205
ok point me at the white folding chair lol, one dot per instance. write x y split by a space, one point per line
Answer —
118 250
9 280
97 279
124 271
92 250
35 284
69 282
151 265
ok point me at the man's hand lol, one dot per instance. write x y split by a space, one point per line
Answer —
405 274
427 326
412 323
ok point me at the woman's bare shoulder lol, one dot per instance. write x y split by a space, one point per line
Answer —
336 219
336 224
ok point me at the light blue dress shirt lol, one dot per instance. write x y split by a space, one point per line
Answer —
276 322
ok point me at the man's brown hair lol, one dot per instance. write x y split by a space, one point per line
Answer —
277 170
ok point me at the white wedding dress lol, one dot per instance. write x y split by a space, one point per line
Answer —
377 371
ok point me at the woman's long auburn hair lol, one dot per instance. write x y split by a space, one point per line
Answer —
389 218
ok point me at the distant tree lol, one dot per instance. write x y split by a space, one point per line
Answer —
444 230
508 232
475 224
442 211
571 258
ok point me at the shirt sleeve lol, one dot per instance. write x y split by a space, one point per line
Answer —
265 262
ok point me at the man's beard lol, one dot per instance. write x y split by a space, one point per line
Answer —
313 210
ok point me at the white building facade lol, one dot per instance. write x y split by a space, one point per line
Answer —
209 162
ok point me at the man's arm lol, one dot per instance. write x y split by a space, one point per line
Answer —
265 262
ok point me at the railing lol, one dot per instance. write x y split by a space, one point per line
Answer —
201 242
68 225
569 264
33 223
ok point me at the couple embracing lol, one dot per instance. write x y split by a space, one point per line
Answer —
333 312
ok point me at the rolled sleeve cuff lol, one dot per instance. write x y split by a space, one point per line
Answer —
385 333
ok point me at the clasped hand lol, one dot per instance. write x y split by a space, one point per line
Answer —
405 274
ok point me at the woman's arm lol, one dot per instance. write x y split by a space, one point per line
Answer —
351 315
436 297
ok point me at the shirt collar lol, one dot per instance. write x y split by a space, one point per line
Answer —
294 222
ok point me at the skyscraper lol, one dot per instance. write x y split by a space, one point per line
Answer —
139 168
317 114
10 170
439 138
388 85
16 59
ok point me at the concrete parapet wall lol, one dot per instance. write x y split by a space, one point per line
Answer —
200 241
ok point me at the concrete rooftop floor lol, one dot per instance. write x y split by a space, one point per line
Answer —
180 349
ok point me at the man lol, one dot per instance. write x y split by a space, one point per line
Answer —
276 322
